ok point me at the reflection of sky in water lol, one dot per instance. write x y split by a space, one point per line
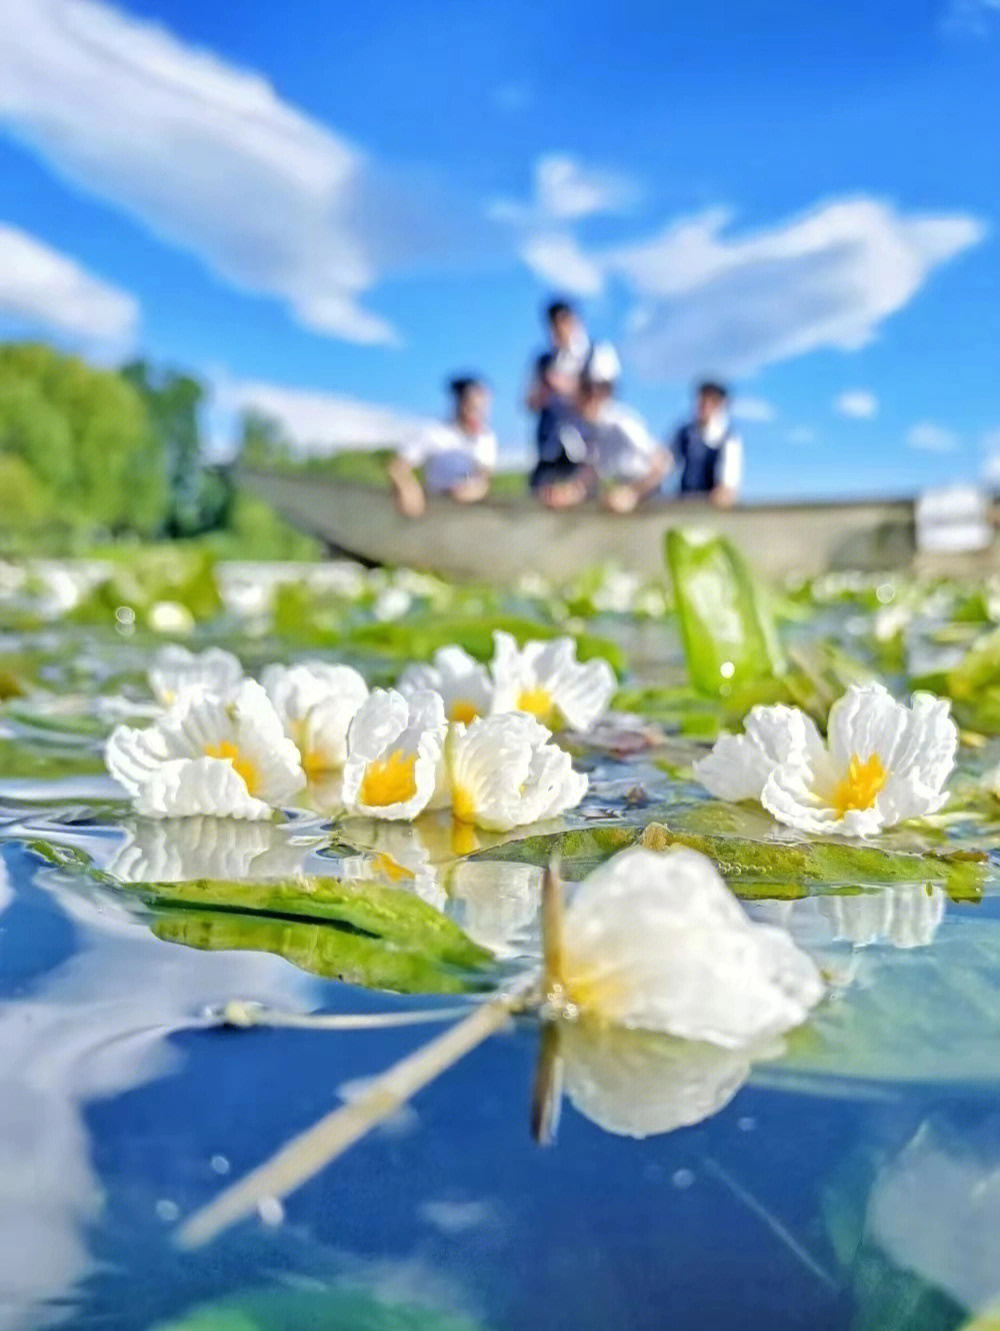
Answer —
119 1110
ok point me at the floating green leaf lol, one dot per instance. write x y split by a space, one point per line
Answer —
728 633
333 1309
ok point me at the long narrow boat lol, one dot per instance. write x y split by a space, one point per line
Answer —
506 537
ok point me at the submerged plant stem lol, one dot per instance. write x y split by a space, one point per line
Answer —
246 1015
315 1148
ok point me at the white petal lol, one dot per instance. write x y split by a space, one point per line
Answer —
295 690
866 720
658 942
387 722
796 795
494 902
175 669
187 786
739 765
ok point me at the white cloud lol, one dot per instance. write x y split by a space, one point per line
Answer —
858 403
567 189
210 158
755 409
558 259
971 17
734 303
932 438
318 422
42 289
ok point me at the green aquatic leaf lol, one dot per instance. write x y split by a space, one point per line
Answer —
329 950
756 867
179 573
391 915
727 630
333 1309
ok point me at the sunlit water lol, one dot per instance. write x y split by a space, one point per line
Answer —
850 1182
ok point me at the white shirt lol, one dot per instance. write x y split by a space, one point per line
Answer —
619 444
448 455
716 434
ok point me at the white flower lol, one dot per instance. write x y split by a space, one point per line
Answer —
393 751
228 757
503 771
546 680
317 703
461 681
170 617
175 669
883 762
658 942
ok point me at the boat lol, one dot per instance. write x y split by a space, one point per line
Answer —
505 537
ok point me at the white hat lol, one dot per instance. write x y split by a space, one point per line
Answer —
603 365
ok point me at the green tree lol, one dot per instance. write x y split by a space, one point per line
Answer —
85 434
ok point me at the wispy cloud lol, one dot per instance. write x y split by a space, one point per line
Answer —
857 403
977 18
753 409
210 158
565 190
42 290
930 437
708 298
557 258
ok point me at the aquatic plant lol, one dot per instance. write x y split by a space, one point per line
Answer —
464 685
883 762
503 771
175 669
394 748
317 703
208 754
546 680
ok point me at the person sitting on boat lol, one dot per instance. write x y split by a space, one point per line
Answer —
626 462
551 396
706 451
458 456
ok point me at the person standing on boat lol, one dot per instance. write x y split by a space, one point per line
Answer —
458 456
555 378
706 451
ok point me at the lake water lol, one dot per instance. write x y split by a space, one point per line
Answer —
850 1179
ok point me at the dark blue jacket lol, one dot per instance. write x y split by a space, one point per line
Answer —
699 462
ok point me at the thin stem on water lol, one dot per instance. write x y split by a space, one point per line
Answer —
315 1148
246 1015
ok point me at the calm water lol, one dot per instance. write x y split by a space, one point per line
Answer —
853 1181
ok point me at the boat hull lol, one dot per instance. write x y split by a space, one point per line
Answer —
503 539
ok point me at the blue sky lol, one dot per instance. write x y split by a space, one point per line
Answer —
327 210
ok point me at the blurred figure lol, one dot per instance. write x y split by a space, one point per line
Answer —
706 451
621 460
551 395
626 461
458 456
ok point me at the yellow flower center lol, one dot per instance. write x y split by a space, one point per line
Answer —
316 765
591 990
463 805
537 701
389 780
464 710
241 766
860 787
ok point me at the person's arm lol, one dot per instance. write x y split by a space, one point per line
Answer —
730 476
408 491
627 495
540 390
